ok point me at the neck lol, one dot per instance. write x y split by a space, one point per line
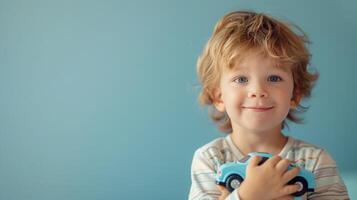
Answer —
271 141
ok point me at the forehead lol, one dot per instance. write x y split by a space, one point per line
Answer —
259 60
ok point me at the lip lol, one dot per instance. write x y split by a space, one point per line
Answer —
258 108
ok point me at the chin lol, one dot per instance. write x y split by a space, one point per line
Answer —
261 127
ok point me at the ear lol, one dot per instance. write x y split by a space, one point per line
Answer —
217 100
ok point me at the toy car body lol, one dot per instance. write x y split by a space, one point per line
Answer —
232 174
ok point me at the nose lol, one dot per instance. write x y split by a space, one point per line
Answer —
257 91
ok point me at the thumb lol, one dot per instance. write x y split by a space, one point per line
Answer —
224 192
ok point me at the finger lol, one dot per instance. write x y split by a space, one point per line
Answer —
221 188
222 197
289 189
274 160
254 161
290 174
224 192
283 165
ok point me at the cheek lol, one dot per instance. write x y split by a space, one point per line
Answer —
237 93
233 98
286 92
290 88
284 98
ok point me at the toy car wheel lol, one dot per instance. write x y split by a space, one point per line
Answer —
303 185
233 182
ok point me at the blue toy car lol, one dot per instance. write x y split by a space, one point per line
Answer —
232 174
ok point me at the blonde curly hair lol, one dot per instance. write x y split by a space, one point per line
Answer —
241 31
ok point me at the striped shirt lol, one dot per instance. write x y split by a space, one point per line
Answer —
207 159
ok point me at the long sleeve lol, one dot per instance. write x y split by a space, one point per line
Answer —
203 185
329 184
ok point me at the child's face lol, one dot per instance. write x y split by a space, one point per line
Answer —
255 94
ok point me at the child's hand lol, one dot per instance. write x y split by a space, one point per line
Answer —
224 192
268 181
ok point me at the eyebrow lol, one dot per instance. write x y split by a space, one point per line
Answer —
278 68
283 69
282 66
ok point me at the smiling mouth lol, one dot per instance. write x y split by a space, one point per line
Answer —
259 109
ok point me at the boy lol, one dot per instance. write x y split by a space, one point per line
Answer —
253 72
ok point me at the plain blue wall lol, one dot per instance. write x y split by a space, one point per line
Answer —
98 98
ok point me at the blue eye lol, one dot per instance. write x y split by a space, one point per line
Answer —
274 78
241 79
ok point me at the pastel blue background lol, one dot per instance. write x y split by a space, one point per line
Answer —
98 98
